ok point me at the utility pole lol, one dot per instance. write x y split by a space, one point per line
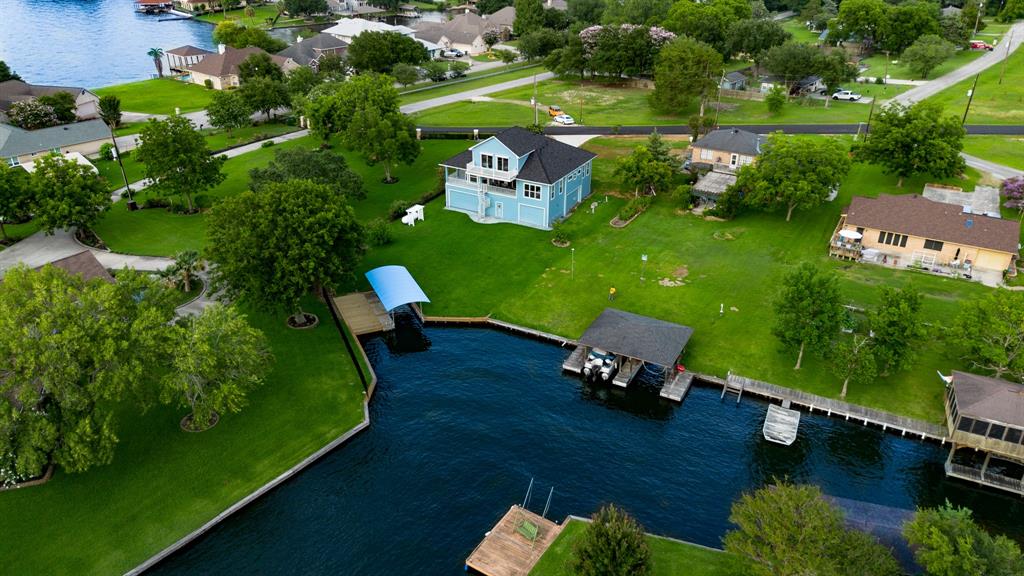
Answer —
885 78
718 107
970 98
867 127
120 163
977 20
536 120
1007 56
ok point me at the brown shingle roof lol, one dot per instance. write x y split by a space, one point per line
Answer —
188 50
918 216
85 264
984 398
225 64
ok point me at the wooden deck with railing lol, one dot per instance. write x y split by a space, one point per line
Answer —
514 545
989 479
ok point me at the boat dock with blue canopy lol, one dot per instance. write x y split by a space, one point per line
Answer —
371 312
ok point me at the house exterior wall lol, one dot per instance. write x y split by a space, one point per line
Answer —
710 156
87 106
85 148
219 82
980 258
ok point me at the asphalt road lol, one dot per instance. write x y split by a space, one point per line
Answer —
468 94
983 129
1011 41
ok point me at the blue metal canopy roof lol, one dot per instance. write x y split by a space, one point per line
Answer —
395 286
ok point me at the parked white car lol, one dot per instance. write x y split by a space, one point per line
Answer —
453 53
846 95
564 119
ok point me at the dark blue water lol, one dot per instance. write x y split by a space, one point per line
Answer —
88 43
463 418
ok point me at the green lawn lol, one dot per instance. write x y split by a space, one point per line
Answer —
446 88
217 139
159 96
668 557
159 232
801 33
164 483
110 170
258 19
994 103
737 263
16 232
611 105
1007 150
876 65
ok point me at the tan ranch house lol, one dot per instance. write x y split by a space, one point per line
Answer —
729 149
221 69
87 104
913 231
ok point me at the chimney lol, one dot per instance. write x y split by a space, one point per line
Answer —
221 48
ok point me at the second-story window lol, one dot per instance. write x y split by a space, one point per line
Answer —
531 191
486 161
502 164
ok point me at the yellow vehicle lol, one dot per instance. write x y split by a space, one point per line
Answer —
554 110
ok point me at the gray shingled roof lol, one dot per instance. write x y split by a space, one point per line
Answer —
188 50
732 140
15 142
636 336
918 216
310 49
12 91
736 76
504 17
991 399
549 159
462 29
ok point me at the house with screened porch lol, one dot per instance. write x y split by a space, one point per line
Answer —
519 177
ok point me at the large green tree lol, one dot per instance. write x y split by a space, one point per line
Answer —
948 542
305 7
229 110
6 73
896 328
612 544
63 104
793 61
638 12
794 172
216 359
585 12
926 53
259 65
854 361
265 95
176 158
380 51
908 21
238 35
754 37
529 16
67 194
990 332
32 115
16 196
405 74
385 138
320 166
685 69
540 43
642 172
864 19
791 530
808 310
835 68
919 139
273 246
70 350
710 22
110 110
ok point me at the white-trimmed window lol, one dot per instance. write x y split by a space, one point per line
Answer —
531 191
706 154
13 161
586 169
486 161
573 175
502 163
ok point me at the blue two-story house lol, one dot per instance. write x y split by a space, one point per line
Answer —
518 176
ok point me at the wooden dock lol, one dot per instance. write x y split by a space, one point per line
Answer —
574 363
363 313
678 387
886 420
508 549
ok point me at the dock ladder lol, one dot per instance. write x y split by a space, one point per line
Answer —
733 384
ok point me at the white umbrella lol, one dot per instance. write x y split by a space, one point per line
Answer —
851 234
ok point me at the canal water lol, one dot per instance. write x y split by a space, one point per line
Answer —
96 43
464 418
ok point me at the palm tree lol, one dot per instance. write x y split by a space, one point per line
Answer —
187 264
157 55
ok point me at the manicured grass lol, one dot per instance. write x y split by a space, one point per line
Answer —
129 128
801 33
993 103
668 557
258 20
164 483
1006 150
110 170
737 263
159 232
446 88
611 105
159 96
16 232
876 65
218 139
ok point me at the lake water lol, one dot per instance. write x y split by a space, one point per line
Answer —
464 418
95 43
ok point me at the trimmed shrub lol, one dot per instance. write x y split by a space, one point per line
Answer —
107 151
378 232
398 208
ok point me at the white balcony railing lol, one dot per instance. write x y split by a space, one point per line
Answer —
463 183
503 175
